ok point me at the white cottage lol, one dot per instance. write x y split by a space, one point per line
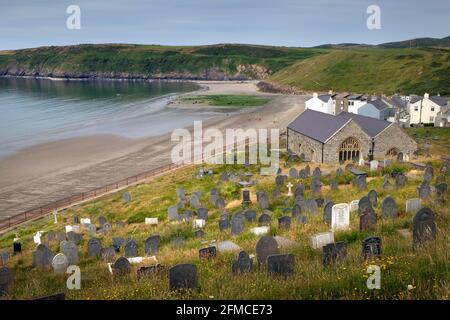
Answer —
424 110
323 103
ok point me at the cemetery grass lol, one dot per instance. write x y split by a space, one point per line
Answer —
227 100
426 270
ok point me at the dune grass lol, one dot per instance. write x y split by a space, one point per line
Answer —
228 100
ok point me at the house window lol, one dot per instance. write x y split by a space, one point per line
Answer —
416 108
432 108
431 119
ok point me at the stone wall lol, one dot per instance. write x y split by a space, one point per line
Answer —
331 149
299 144
393 137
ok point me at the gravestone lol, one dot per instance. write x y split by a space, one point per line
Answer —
74 237
94 247
389 208
4 257
108 254
181 193
202 213
279 180
367 219
152 244
386 184
441 190
400 180
373 197
284 222
424 227
183 277
246 197
264 220
6 280
302 174
224 177
360 181
127 197
107 228
299 190
227 245
224 223
220 203
92 230
320 201
293 173
301 219
440 179
371 247
333 253
242 264
340 216
70 250
307 170
118 242
317 173
363 203
17 247
400 157
334 185
321 239
194 201
149 271
42 256
373 165
424 190
121 266
265 247
263 200
177 242
276 193
60 263
428 174
199 233
413 205
311 206
339 172
207 253
327 212
172 213
102 220
131 249
296 211
237 224
316 186
281 264
250 215
76 220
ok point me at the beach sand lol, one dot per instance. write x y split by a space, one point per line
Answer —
45 173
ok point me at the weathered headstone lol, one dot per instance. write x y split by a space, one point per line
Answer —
389 208
363 203
293 173
183 277
299 190
265 247
339 172
42 256
224 223
237 224
121 266
172 212
60 263
17 247
220 203
242 264
94 247
296 210
424 190
317 173
107 228
202 213
6 280
74 237
311 206
371 247
428 174
264 219
367 219
333 253
131 249
250 215
321 239
373 165
127 197
181 193
118 242
284 222
327 212
150 270
334 185
281 264
152 244
194 201
424 227
108 254
400 180
340 216
102 220
199 233
70 250
263 200
413 205
373 197
316 186
207 253
441 190
177 242
279 180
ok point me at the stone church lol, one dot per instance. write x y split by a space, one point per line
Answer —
326 138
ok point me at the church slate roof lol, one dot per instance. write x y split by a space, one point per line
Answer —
322 126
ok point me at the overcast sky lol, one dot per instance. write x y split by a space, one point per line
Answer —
32 23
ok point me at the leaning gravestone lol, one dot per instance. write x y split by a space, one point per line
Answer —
367 219
424 190
284 222
280 264
237 224
371 248
400 180
389 208
413 205
250 215
373 197
334 252
327 212
264 220
242 264
127 197
70 250
108 254
131 249
6 280
94 247
207 253
424 227
265 247
183 277
60 263
42 257
121 266
152 244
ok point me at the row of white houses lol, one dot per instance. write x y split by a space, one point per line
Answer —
409 110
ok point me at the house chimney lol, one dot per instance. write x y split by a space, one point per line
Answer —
330 91
426 95
315 95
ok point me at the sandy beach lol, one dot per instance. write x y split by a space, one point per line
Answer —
48 172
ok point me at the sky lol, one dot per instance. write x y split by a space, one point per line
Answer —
305 23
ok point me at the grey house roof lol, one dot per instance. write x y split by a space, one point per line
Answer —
325 97
379 104
436 99
398 102
322 126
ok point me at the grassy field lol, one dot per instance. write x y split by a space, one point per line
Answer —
365 70
228 100
426 271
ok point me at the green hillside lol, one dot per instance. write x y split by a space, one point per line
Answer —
372 71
